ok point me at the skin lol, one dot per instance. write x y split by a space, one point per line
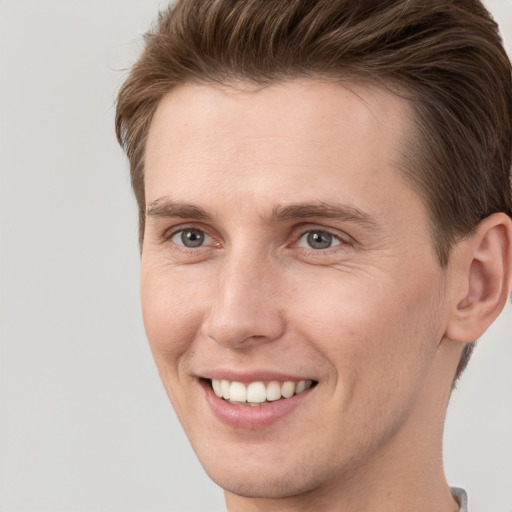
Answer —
367 318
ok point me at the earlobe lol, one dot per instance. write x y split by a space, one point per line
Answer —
485 280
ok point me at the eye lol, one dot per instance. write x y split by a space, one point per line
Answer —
318 240
190 238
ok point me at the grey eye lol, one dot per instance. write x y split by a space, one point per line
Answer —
318 240
189 238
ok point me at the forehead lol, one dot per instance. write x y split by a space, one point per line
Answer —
290 135
316 111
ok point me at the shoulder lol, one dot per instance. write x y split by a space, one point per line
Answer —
461 497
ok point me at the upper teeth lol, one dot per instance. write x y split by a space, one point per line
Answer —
258 392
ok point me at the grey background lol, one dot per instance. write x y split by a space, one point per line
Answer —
85 424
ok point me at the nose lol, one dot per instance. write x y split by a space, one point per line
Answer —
245 308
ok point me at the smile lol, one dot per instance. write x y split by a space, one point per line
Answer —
257 393
255 404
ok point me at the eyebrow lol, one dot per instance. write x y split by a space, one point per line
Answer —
164 207
323 210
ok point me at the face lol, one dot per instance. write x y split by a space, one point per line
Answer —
287 264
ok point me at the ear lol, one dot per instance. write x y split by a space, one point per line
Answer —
483 278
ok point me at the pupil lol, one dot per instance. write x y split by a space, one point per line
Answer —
319 240
192 238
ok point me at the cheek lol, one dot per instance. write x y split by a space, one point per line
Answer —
172 316
378 331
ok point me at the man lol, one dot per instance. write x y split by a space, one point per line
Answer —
325 223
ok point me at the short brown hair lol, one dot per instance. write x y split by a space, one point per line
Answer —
445 56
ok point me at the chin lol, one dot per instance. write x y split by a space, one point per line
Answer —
256 485
271 479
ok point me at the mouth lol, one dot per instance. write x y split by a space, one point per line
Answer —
258 393
255 401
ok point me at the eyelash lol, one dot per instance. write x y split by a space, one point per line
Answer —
172 233
335 238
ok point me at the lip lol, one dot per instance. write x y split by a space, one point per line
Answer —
248 417
256 376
